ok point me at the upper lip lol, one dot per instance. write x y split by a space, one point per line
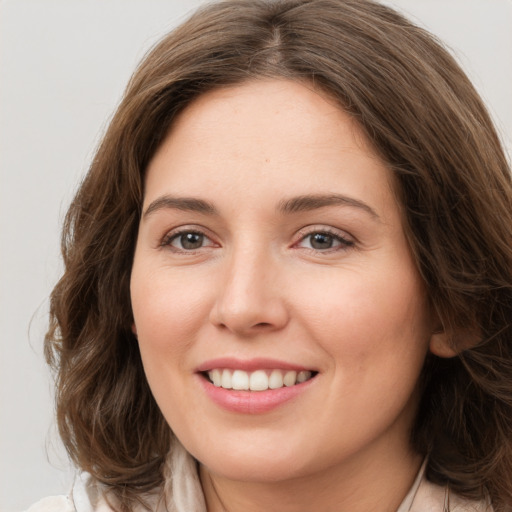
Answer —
250 365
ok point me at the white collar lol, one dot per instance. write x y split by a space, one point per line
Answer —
183 492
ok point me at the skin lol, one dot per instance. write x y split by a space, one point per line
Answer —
258 285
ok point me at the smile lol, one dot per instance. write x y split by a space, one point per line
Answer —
258 380
254 386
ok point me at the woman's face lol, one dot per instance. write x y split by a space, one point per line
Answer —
271 254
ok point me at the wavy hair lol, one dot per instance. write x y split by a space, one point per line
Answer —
426 121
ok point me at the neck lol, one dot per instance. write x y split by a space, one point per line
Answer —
371 483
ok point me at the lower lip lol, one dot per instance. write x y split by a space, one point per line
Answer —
253 402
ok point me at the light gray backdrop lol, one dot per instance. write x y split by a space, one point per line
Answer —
63 65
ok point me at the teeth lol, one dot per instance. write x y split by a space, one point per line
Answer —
240 380
276 380
303 376
259 380
216 377
226 380
290 378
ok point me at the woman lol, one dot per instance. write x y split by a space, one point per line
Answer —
288 275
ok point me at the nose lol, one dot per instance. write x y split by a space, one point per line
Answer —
250 298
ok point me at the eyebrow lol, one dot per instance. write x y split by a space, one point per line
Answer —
287 206
313 202
190 204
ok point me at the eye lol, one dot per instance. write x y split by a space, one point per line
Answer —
324 241
187 241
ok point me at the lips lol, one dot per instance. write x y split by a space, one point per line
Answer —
253 386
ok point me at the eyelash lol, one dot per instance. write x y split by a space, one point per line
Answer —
176 235
344 243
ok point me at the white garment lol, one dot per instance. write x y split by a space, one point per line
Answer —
184 494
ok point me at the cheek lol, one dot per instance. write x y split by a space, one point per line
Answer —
168 311
375 332
370 320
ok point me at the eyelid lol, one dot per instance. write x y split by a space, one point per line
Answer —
347 240
174 233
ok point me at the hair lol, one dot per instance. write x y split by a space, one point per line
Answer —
426 121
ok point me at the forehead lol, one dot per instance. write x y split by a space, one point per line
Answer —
263 138
257 106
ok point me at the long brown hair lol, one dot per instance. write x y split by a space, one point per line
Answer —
426 121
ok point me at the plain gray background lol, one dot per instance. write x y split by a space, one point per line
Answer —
63 65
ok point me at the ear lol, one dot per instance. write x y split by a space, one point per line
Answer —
445 345
134 329
441 344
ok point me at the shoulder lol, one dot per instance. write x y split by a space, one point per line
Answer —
86 496
434 498
426 496
53 504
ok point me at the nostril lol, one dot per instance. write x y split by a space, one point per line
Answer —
245 316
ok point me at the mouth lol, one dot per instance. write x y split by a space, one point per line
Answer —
254 386
257 380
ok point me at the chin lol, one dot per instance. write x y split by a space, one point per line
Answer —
253 464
